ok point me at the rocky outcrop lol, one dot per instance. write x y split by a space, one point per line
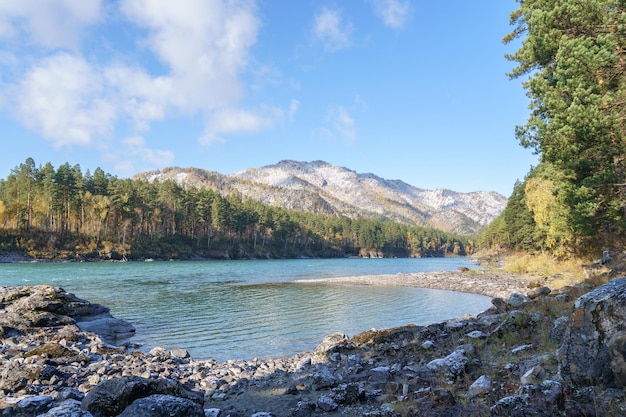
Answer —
114 397
496 363
593 351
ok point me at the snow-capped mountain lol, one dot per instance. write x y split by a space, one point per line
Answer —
324 188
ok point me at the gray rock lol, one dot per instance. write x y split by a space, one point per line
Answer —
533 375
111 397
558 328
538 292
348 393
594 344
160 405
480 387
34 405
13 377
326 403
324 378
452 365
517 300
380 374
110 329
427 345
180 353
67 408
330 342
520 349
476 334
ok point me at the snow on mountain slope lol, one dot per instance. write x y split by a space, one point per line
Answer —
324 188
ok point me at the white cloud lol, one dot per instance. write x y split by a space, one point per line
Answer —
64 99
204 43
294 106
235 120
49 23
135 149
332 31
75 98
394 13
341 122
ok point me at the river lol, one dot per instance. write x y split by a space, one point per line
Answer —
253 308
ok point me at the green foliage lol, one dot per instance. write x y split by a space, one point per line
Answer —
574 53
64 213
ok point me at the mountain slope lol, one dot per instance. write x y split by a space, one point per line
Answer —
320 187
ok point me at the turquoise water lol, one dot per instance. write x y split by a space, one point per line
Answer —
253 308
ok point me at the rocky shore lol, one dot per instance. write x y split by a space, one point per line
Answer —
535 352
493 283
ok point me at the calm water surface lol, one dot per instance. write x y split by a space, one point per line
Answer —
245 309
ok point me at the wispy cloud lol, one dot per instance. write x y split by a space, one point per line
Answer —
332 30
63 98
341 123
394 13
237 120
48 23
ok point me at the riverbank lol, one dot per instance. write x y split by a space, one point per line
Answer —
492 283
62 356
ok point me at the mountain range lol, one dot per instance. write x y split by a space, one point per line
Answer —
320 187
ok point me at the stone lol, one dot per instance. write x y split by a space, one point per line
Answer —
427 345
348 393
593 350
505 406
34 405
67 408
324 378
520 349
452 365
538 292
476 334
480 387
330 342
111 397
160 405
113 331
380 374
558 328
533 375
517 300
180 353
326 403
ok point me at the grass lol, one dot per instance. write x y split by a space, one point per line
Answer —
543 269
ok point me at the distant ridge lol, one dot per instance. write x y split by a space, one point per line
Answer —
320 187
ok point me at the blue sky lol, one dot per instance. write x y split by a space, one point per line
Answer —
406 89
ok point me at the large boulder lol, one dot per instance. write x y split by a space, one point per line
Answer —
593 350
163 406
111 397
27 309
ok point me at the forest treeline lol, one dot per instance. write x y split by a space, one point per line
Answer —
63 213
573 54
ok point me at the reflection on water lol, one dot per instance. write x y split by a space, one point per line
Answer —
245 309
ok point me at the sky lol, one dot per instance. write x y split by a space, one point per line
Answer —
414 90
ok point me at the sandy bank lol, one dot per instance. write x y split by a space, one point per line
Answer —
485 282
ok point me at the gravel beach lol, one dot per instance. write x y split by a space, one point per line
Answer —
492 283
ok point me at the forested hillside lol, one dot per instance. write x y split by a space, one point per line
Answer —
63 213
323 188
573 202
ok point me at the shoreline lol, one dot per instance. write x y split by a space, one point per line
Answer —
491 283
